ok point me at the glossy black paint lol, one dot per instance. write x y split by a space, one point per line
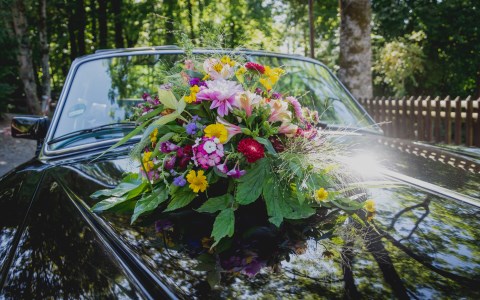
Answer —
49 233
30 127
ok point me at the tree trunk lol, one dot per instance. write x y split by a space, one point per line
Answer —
24 56
44 50
81 25
102 23
93 18
169 21
355 47
312 30
118 23
190 19
72 38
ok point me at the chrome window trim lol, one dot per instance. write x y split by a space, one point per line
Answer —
48 153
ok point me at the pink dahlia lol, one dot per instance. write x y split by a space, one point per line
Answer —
222 94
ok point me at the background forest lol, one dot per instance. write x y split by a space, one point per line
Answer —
418 47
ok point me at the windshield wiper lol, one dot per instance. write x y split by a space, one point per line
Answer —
93 129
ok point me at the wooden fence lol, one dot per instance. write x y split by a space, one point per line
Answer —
450 121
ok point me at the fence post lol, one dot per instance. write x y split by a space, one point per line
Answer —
438 117
413 118
405 126
382 114
458 121
448 121
428 120
469 123
476 130
420 120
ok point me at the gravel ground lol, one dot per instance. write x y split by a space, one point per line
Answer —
13 152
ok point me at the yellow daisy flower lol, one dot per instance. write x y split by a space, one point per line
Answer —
321 195
370 205
198 182
217 130
147 163
154 136
227 60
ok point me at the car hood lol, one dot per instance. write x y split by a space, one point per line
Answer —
422 243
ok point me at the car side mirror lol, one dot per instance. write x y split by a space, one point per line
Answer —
30 127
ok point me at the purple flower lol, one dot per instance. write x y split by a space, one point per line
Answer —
191 128
167 147
258 91
179 181
252 268
163 225
196 118
236 172
222 94
169 164
276 95
223 168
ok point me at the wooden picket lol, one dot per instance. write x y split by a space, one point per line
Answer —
450 121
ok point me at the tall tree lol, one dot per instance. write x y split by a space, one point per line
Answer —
81 25
102 23
355 47
118 23
24 56
44 50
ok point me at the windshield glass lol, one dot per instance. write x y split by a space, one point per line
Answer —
105 91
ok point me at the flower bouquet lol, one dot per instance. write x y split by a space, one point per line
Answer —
219 139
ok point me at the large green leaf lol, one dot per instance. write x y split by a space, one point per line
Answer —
273 196
282 203
151 114
215 204
181 198
224 225
268 145
108 203
149 202
167 98
129 183
251 184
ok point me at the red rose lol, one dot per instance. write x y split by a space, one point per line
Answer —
252 149
255 67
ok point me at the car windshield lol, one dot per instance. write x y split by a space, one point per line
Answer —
105 91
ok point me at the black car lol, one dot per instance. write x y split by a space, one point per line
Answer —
425 244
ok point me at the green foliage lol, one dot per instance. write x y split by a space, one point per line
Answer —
215 204
149 202
451 27
400 62
251 184
181 198
224 225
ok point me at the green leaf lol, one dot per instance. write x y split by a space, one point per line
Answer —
213 278
347 204
251 184
149 202
273 196
128 184
217 203
159 123
167 98
181 106
224 225
151 114
181 198
108 203
268 145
